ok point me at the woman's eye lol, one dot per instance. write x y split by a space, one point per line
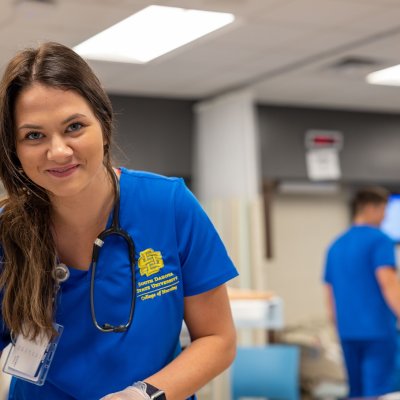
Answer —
34 135
76 126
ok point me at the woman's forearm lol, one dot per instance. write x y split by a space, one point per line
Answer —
199 363
209 321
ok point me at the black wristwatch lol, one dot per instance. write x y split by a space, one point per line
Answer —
153 392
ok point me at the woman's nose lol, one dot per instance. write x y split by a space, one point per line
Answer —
58 150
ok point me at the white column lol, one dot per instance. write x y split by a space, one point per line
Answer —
227 181
226 148
227 178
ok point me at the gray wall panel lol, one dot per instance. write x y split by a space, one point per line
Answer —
154 134
371 150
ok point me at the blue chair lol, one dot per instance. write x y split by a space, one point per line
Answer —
270 371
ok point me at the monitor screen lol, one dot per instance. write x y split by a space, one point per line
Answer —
391 223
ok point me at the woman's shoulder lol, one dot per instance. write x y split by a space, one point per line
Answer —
150 186
148 176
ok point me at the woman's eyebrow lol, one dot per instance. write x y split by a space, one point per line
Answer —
29 126
71 117
65 121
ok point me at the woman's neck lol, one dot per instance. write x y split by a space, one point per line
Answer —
87 210
78 221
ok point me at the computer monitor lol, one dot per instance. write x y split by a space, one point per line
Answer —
391 223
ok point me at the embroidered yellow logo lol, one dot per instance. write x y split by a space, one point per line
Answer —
150 262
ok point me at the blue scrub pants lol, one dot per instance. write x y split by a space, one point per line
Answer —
370 366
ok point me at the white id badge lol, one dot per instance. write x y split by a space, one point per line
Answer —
30 359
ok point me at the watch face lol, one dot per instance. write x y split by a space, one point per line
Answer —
159 395
154 393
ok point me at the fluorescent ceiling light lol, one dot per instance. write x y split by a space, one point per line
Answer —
388 76
151 32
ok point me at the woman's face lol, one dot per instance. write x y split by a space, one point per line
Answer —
59 141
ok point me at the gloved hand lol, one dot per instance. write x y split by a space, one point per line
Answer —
130 393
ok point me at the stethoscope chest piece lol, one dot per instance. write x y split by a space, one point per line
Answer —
61 273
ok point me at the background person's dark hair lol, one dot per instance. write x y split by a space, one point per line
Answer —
25 222
370 195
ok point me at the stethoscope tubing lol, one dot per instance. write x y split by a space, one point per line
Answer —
115 229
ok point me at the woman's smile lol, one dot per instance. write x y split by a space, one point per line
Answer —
63 172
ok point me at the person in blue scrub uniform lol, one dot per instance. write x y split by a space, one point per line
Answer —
364 296
117 258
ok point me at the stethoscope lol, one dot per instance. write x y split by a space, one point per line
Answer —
61 271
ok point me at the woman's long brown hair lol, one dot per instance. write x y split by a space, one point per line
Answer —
26 240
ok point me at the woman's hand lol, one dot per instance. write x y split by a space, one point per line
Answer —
130 393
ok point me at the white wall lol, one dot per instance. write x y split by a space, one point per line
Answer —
302 227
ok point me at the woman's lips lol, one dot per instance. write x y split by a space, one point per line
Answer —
63 171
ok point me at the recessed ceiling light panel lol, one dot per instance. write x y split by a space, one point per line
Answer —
388 76
150 33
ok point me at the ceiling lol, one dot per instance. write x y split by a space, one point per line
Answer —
312 53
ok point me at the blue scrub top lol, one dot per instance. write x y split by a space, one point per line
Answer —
351 264
178 254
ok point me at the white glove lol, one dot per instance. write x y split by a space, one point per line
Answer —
130 393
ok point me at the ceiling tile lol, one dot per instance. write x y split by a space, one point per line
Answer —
322 13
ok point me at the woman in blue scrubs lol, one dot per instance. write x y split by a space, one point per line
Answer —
156 260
